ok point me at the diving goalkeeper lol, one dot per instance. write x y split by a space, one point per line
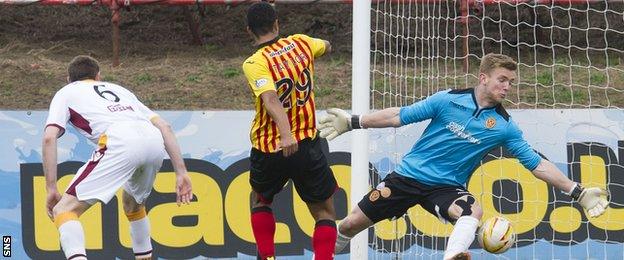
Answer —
465 125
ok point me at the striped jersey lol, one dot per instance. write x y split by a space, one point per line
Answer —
92 106
459 135
284 65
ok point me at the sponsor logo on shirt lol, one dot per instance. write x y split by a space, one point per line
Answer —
460 132
281 51
261 82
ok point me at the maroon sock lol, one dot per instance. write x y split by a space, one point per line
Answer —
263 225
324 239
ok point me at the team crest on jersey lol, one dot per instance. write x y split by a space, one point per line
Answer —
490 122
374 195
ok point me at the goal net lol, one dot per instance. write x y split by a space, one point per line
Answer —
567 100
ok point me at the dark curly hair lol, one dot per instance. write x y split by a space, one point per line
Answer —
260 18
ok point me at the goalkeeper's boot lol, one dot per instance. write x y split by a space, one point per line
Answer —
462 256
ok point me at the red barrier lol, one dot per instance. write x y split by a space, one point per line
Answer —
236 2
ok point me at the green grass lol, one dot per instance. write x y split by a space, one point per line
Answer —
109 78
322 91
231 72
194 78
597 78
210 47
544 85
568 96
143 78
545 78
208 68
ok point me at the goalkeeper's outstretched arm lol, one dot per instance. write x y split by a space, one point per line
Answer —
339 121
549 173
388 117
591 199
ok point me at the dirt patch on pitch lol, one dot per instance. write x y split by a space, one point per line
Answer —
161 63
159 59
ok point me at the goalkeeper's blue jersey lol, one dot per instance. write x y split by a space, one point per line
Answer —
458 136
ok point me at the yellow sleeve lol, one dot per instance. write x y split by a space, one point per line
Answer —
317 45
258 77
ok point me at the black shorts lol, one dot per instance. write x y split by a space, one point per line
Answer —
307 168
396 194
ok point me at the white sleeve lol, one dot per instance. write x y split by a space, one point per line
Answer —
143 109
58 115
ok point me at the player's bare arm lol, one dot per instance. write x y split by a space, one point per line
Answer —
388 117
49 166
184 191
549 173
339 121
591 199
287 144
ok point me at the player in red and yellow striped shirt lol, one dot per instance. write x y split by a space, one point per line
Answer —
283 134
284 65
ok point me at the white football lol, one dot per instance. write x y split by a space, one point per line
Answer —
496 235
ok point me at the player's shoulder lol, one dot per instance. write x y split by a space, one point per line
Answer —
461 91
442 95
107 84
500 110
305 39
256 56
66 88
112 86
70 88
299 36
252 59
256 59
464 96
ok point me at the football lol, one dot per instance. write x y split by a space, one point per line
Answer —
496 235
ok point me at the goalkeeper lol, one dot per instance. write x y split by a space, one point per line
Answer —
465 125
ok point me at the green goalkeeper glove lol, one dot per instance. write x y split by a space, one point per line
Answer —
337 122
591 199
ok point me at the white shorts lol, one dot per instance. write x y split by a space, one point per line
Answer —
128 154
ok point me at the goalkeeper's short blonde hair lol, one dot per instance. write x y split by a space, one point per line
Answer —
492 61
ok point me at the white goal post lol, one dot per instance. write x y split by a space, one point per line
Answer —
360 99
